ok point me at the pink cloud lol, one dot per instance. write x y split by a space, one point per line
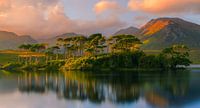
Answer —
47 18
105 25
165 6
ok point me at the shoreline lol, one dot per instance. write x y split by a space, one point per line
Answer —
193 66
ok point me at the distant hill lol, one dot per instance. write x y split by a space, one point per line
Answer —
156 34
52 41
129 30
163 32
10 40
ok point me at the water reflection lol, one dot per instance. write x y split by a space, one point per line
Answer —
159 89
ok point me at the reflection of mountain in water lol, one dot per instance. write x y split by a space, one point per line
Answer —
159 89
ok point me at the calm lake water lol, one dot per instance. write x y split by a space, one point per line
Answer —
178 89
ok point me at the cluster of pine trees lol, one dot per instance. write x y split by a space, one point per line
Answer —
99 52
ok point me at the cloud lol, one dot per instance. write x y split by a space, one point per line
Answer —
4 5
165 6
108 5
47 18
105 5
106 26
140 20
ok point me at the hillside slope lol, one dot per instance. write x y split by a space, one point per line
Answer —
163 32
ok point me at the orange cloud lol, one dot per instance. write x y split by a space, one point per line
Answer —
105 5
165 6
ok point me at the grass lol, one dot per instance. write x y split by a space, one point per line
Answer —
195 56
152 52
5 58
11 56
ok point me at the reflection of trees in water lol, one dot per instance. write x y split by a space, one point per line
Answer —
118 87
171 86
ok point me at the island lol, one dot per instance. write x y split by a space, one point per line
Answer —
97 52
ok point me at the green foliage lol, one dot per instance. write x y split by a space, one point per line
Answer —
50 66
169 58
176 55
97 52
124 42
95 43
32 66
72 46
153 62
106 61
54 65
6 58
33 47
25 46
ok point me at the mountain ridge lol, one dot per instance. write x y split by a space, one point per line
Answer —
158 33
52 41
10 40
130 30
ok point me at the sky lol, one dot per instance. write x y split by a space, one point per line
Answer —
48 18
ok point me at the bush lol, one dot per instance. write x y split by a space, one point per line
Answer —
149 61
132 60
29 67
176 55
54 65
105 61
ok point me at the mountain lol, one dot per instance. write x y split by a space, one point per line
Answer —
164 32
52 41
10 40
130 30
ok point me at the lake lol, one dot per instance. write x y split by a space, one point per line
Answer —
144 89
